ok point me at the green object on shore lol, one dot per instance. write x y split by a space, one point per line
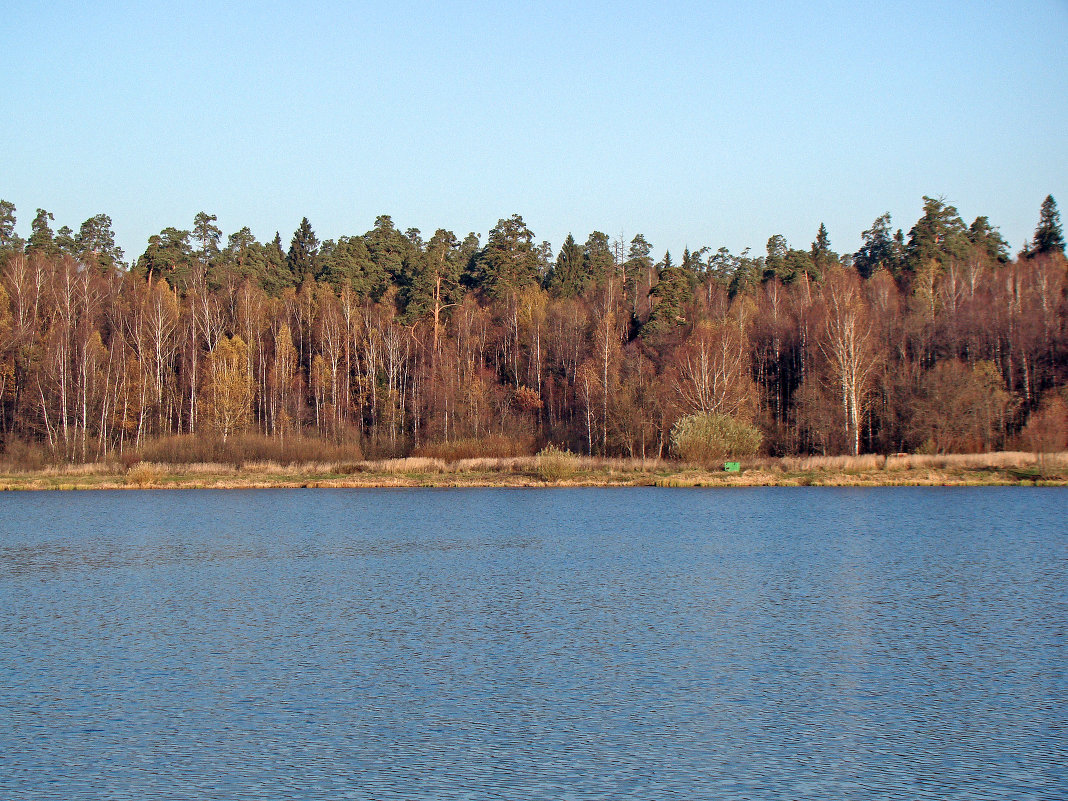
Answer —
732 467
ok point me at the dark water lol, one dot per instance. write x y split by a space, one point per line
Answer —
580 644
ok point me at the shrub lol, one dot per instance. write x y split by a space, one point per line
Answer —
143 474
711 438
20 455
554 464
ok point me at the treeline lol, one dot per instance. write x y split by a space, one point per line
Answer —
934 341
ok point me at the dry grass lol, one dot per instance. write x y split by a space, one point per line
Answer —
495 446
868 470
87 469
871 462
409 464
243 448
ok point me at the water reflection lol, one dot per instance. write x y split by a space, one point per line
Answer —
579 644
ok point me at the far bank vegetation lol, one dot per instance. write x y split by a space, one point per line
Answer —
388 345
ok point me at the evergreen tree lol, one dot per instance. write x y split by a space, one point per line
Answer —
509 261
349 263
169 256
9 240
42 240
798 263
566 279
669 297
275 272
638 257
432 278
1049 238
987 240
303 250
598 262
939 235
823 258
775 261
236 261
693 261
639 261
388 247
207 235
95 243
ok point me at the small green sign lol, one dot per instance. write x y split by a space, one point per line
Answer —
732 467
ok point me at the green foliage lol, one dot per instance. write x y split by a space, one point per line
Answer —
598 263
712 438
669 298
638 257
1049 238
42 240
877 250
168 255
303 252
95 243
987 240
509 261
821 255
775 261
566 278
430 278
939 235
742 273
207 235
65 241
9 240
348 263
388 248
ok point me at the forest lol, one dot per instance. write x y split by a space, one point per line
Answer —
937 340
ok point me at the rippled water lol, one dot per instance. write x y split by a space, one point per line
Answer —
578 644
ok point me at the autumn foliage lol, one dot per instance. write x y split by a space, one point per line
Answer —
386 345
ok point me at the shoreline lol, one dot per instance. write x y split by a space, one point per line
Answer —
973 470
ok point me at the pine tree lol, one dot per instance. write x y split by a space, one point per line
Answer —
207 235
1049 238
42 239
939 235
9 240
95 242
509 261
877 250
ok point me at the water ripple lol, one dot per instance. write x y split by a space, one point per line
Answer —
760 644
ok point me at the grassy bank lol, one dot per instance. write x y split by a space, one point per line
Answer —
559 470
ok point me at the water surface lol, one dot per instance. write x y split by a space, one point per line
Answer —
573 644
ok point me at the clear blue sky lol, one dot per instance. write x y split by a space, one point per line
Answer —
695 123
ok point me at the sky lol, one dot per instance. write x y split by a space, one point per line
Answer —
694 123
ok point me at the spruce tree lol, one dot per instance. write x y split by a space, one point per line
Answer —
566 278
1049 238
302 252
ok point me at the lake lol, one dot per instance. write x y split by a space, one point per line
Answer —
534 644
